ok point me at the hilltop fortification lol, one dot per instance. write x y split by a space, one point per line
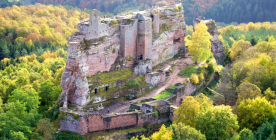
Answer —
107 53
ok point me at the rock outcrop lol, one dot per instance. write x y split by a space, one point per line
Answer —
138 41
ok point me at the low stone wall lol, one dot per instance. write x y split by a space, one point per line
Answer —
155 78
83 123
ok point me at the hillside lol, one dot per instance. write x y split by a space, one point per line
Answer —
192 8
241 11
36 28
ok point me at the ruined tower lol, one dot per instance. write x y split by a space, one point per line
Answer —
96 28
144 37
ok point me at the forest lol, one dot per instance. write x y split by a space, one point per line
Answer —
241 105
33 52
193 8
33 44
242 11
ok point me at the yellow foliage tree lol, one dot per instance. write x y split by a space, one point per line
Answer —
162 134
194 79
238 48
200 46
190 107
247 91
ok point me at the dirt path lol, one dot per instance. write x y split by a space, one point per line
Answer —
180 64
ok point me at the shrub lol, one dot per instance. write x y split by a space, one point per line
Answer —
201 77
211 67
114 23
155 106
76 116
194 79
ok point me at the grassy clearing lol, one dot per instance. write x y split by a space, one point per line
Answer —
163 95
172 87
134 129
188 71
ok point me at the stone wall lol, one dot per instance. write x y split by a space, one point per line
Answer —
166 45
128 39
155 78
83 123
143 67
96 28
156 22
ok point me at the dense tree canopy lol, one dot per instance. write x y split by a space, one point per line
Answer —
242 11
253 112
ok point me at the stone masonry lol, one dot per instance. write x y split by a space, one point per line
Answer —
138 41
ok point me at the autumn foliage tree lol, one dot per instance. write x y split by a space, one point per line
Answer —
253 112
200 45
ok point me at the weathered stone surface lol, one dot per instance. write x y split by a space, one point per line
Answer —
100 46
155 78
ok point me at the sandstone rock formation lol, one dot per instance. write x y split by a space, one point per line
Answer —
138 41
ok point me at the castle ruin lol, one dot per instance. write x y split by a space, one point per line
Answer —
137 42
106 59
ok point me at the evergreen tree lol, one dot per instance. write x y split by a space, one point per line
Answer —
5 52
24 52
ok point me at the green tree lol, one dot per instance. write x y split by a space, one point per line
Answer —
200 46
10 124
185 132
246 134
218 123
45 128
6 52
16 54
265 132
253 112
22 81
30 98
247 91
270 96
49 93
24 52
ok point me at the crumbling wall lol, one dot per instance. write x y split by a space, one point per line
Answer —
143 67
171 36
128 39
96 28
73 122
155 78
83 123
155 22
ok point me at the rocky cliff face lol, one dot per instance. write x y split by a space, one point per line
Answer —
217 46
101 46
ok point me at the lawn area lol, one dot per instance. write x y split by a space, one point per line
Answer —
134 129
172 86
188 71
163 95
